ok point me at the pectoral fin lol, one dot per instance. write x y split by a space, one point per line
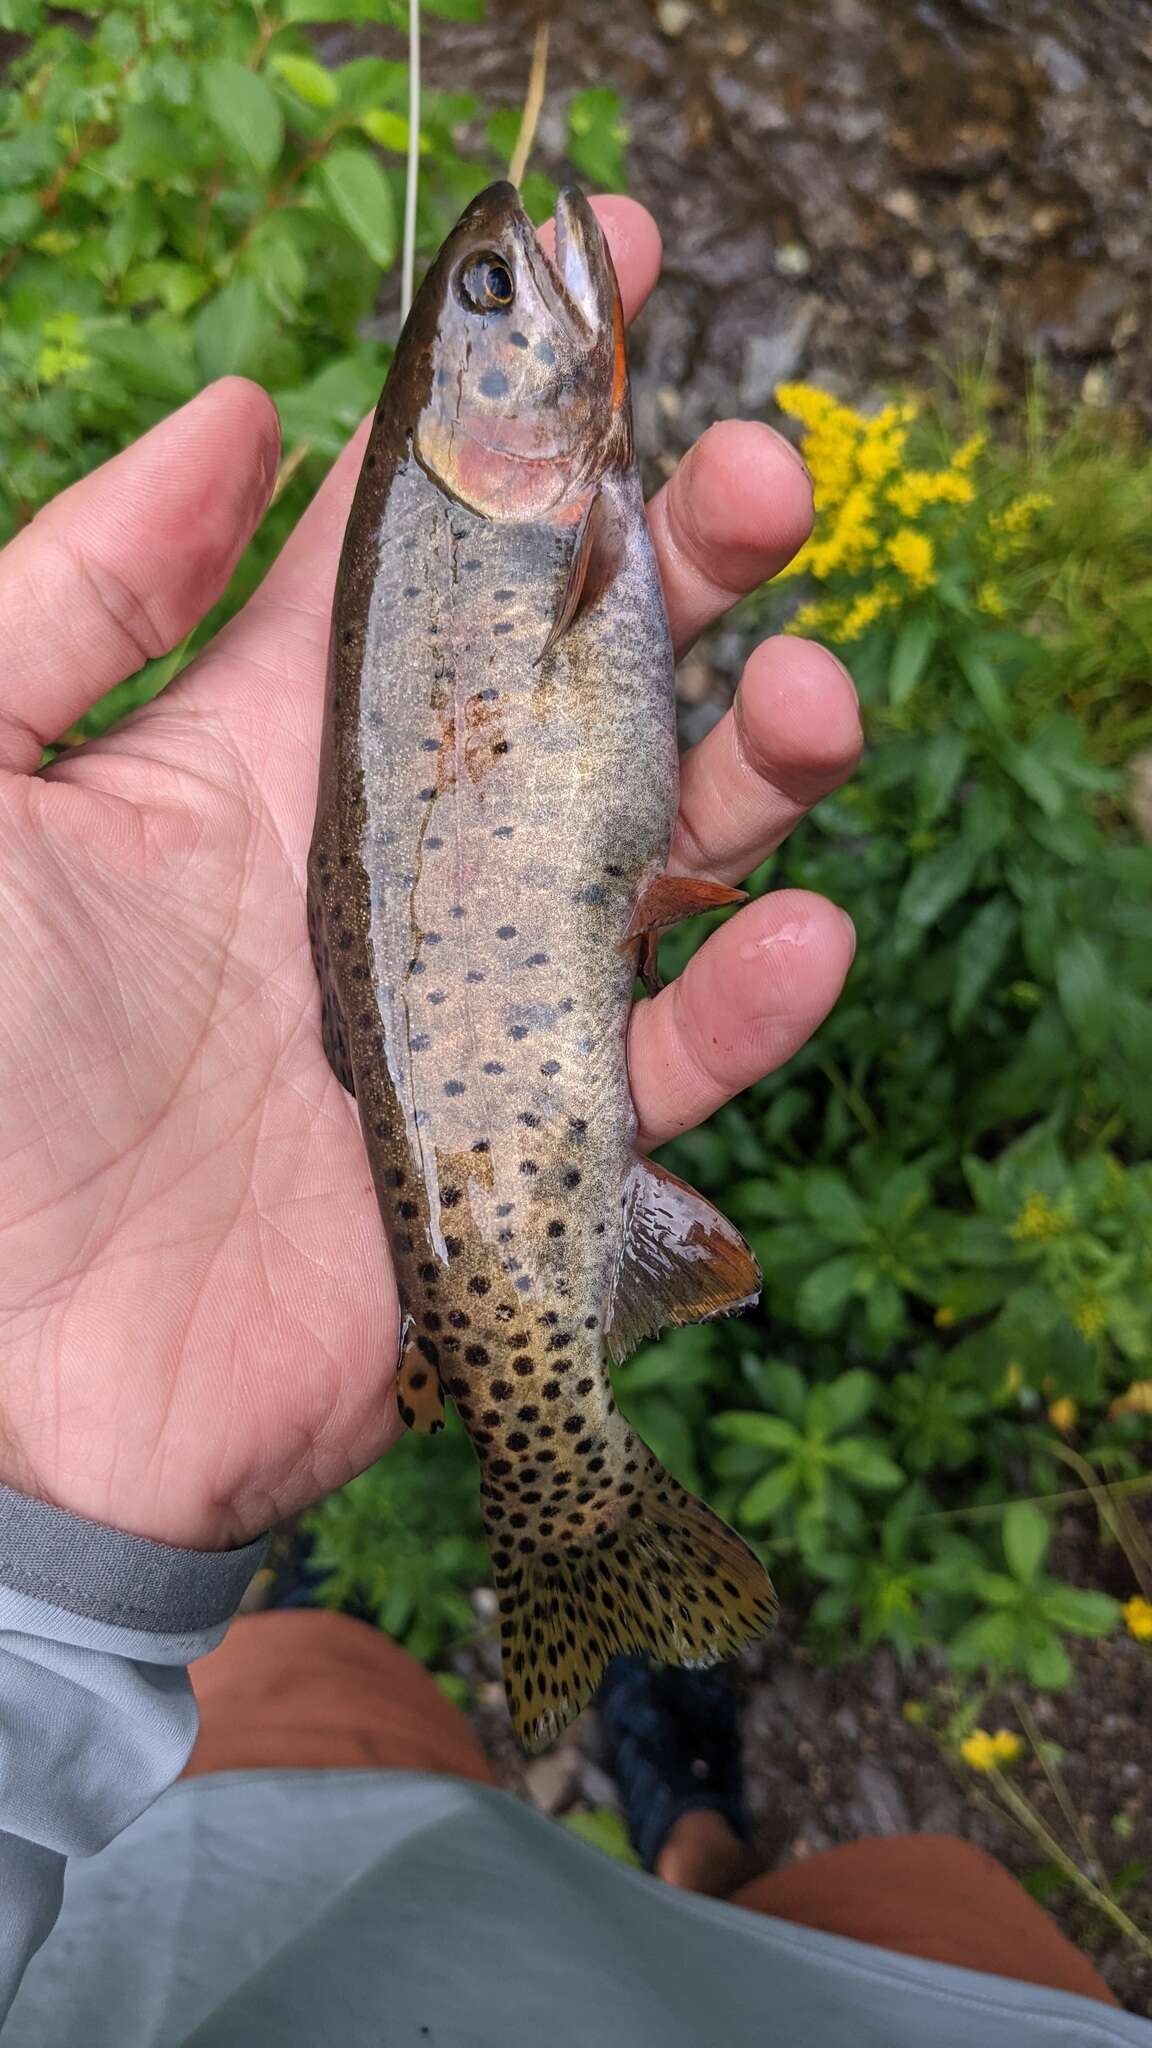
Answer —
596 559
680 1261
665 902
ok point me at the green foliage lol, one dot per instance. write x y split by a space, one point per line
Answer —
187 193
403 1543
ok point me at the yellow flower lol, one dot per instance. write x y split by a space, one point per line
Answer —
1021 513
1063 1415
865 609
815 618
984 1752
1137 1400
968 451
1037 1219
1013 1376
944 1317
990 599
912 554
1091 1317
1138 1617
929 487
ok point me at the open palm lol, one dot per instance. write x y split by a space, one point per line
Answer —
197 1315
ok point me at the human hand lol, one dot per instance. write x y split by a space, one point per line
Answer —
198 1319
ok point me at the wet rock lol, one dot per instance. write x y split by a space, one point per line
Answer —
771 359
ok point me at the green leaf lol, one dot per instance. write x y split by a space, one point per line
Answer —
390 130
831 1203
865 1463
934 885
1085 993
361 198
307 79
983 682
596 137
979 954
1082 1613
744 1426
990 1639
837 1404
768 1496
910 658
942 764
884 1308
234 331
1047 1663
1026 1537
1035 778
245 110
155 361
824 1293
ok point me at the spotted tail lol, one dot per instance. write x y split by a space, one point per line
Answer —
668 1577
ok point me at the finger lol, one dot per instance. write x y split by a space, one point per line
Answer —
735 511
121 566
305 573
743 1005
793 735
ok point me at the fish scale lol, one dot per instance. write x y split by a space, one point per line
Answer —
498 787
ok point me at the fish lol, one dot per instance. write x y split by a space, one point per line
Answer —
488 872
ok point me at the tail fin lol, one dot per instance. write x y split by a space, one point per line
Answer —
669 1577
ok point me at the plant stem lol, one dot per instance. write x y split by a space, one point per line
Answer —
1059 1791
408 271
533 101
984 1509
851 1096
1022 1810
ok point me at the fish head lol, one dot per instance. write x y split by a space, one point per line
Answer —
524 384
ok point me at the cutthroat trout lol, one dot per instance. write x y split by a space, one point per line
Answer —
497 794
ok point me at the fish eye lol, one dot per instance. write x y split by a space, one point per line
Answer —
485 284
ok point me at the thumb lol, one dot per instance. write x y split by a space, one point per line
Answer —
118 568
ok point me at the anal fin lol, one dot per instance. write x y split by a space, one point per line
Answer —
680 1261
418 1395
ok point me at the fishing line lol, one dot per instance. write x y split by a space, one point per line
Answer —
408 270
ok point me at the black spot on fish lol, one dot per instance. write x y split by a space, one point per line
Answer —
475 1354
433 938
592 892
411 590
518 1031
550 1067
528 1166
573 1178
494 384
426 795
430 746
469 565
490 696
527 1116
505 931
449 1197
556 1228
503 832
518 340
453 1087
500 747
545 352
493 1067
437 995
478 1284
481 1145
473 975
433 845
503 626
419 1041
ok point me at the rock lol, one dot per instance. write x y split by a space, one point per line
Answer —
881 1801
673 17
793 260
771 359
902 205
551 1781
694 680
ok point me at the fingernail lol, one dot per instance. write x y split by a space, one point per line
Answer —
851 931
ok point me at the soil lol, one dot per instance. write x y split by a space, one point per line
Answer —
868 193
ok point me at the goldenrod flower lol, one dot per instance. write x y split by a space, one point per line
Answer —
865 609
1138 1617
944 1317
815 618
1063 1415
1037 1219
1021 513
923 487
913 555
968 451
1091 1317
1136 1400
990 599
984 1752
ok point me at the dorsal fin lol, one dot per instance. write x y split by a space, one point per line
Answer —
596 559
680 1261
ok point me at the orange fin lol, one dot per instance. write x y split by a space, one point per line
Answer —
418 1395
680 1261
661 1575
672 897
596 559
648 964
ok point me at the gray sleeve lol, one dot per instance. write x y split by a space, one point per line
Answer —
97 1715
